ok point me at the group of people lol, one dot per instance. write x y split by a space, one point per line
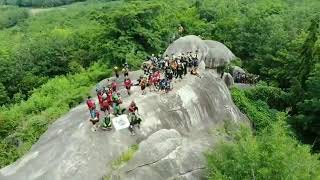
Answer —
110 101
174 66
158 75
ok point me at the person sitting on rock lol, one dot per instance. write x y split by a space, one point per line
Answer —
116 104
194 72
134 119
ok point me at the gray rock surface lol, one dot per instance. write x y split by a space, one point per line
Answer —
70 150
236 70
189 43
218 55
228 79
167 155
213 53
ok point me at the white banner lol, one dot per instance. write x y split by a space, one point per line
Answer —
121 122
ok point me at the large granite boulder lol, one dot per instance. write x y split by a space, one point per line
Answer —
167 155
228 79
70 150
190 43
237 70
213 53
218 55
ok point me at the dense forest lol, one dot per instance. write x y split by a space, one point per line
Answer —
50 60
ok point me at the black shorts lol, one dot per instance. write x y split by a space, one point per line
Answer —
143 88
94 121
128 87
126 74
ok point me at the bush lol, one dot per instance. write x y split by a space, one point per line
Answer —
22 124
257 110
10 16
38 3
273 154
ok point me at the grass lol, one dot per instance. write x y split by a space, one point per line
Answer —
23 124
125 157
122 159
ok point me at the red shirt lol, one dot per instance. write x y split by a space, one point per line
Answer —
105 104
114 84
109 98
127 83
100 98
90 103
133 108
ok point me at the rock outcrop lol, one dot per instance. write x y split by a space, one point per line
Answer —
213 53
219 54
187 44
70 150
167 155
228 79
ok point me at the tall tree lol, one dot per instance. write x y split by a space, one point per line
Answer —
308 51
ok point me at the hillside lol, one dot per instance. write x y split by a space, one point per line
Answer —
51 57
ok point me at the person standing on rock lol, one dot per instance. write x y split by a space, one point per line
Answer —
116 71
95 119
91 106
128 84
114 86
134 119
174 68
184 62
179 70
143 84
125 71
195 61
151 82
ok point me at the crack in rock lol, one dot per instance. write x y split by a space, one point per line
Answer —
190 171
154 162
